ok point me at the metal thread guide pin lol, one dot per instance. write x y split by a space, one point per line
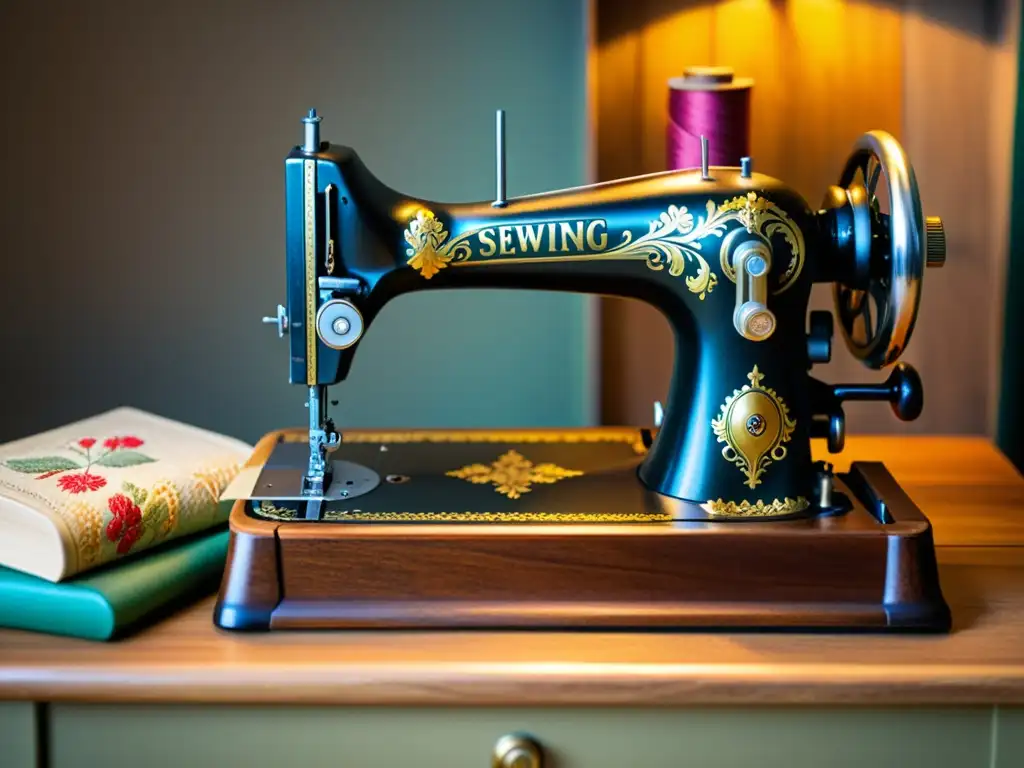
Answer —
499 200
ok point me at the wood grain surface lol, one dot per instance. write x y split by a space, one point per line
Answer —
971 493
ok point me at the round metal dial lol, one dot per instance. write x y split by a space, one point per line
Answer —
339 324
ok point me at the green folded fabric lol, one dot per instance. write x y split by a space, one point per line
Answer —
108 602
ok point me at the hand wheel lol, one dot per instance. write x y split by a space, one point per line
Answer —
878 290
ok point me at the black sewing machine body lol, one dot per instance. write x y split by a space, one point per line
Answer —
729 257
667 239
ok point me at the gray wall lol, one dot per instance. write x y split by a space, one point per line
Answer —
142 216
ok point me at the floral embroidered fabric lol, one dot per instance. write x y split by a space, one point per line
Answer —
118 491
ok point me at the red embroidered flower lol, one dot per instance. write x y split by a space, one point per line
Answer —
128 441
87 442
126 526
81 482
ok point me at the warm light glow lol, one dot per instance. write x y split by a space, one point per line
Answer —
746 5
796 5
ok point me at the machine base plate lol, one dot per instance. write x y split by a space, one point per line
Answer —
601 554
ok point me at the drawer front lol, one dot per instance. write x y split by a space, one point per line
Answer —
258 737
1009 732
18 734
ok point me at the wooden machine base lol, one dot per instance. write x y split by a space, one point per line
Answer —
871 569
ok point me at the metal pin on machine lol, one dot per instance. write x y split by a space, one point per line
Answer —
499 200
704 154
312 123
825 487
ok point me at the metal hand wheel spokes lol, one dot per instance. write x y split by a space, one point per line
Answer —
898 242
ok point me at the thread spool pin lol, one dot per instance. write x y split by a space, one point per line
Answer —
745 167
704 154
499 126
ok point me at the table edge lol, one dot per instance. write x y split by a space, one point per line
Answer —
660 686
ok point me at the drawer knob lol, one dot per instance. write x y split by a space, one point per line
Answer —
517 751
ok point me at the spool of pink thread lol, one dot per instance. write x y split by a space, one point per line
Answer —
710 102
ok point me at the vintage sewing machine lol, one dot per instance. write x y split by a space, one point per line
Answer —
714 516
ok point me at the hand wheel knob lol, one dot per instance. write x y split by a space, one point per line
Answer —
906 392
935 242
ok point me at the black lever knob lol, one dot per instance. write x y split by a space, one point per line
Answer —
819 338
836 432
832 427
903 390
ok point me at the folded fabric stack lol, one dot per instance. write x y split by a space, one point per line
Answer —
109 521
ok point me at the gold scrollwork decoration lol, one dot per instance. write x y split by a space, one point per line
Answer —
673 242
512 475
754 423
333 515
763 217
270 511
776 508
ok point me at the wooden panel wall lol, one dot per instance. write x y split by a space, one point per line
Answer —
940 76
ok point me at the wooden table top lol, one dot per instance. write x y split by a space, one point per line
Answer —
972 494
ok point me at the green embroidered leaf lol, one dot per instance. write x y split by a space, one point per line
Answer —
41 464
123 459
156 521
138 494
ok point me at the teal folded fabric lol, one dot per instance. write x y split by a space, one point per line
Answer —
109 602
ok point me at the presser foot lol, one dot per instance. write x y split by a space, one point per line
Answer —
284 478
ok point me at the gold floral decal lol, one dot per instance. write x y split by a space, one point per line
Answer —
673 241
512 475
760 216
754 424
759 508
429 251
270 511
